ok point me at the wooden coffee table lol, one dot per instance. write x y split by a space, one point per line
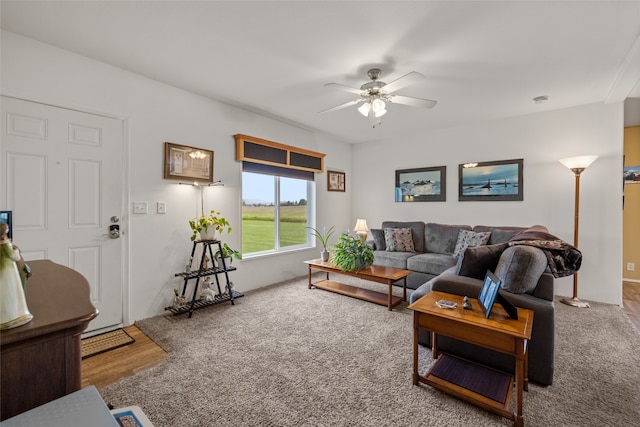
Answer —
477 384
375 273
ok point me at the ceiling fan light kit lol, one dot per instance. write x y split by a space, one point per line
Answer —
375 94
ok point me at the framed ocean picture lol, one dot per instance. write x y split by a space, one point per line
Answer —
490 181
421 184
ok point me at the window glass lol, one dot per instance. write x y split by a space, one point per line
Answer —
268 226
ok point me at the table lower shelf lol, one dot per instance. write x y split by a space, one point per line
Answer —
475 383
360 293
217 299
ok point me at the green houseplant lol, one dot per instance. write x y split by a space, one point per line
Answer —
227 252
207 226
323 236
352 253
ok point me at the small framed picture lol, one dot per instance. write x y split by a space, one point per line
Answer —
632 174
6 218
488 293
336 181
189 164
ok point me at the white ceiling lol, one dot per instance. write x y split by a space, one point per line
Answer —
482 60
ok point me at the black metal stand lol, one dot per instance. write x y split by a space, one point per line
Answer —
220 297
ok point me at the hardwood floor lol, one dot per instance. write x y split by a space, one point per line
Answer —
111 366
631 302
114 365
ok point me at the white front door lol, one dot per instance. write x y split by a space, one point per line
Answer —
61 175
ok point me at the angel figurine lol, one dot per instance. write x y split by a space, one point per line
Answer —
14 311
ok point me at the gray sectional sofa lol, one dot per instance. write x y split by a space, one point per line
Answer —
529 281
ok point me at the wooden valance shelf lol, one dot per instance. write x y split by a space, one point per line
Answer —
257 150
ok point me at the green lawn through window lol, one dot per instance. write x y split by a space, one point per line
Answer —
258 231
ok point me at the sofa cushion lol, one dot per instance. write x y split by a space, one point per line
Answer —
392 259
468 238
378 239
520 268
417 231
398 240
503 233
430 263
441 238
476 260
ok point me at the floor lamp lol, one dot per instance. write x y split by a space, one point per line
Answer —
577 165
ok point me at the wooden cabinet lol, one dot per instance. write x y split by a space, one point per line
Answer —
41 361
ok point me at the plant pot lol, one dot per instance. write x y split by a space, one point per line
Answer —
361 265
324 255
210 234
227 262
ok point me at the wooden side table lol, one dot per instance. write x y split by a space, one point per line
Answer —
485 387
40 360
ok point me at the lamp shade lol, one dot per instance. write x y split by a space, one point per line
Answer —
361 225
364 109
578 162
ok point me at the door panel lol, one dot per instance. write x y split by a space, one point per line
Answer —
63 182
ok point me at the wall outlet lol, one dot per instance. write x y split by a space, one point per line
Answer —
161 207
140 207
631 266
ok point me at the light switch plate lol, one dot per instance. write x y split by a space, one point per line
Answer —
161 208
140 207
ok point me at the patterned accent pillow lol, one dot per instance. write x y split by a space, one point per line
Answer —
468 238
398 240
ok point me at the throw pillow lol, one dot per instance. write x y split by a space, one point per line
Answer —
468 238
476 260
398 240
520 268
378 239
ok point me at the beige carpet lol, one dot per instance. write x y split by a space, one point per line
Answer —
289 356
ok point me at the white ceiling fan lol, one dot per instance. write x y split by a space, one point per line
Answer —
375 94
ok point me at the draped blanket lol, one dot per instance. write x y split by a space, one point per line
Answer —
564 259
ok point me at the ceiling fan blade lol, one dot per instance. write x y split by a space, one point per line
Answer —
403 81
345 88
341 106
413 102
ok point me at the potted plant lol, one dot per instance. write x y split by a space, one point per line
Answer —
324 238
352 253
208 226
228 253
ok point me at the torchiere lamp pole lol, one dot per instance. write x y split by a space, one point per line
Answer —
577 165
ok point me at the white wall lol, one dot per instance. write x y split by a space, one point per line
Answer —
159 245
540 139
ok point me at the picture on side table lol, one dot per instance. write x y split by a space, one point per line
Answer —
489 181
189 164
336 181
422 184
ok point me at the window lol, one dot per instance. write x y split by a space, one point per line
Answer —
275 212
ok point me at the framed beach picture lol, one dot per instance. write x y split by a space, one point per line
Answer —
489 181
188 164
336 181
421 185
632 174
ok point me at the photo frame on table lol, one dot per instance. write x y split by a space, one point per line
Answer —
188 164
6 217
421 184
336 181
489 295
491 181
